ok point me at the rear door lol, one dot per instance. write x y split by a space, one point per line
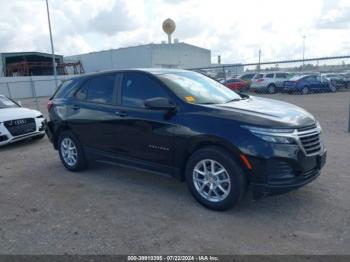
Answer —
312 82
269 78
322 85
92 111
144 134
280 78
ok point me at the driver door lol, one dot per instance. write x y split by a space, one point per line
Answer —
143 134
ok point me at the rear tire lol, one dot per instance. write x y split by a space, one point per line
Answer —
333 88
271 89
214 178
71 152
305 90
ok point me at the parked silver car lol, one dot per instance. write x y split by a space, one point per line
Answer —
269 82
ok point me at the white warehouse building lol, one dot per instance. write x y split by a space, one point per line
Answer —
176 55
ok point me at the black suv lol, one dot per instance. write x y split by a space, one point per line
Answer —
186 125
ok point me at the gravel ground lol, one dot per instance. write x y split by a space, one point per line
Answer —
111 210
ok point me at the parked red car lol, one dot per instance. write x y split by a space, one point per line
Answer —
235 84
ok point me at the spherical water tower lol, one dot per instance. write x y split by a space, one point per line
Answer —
169 28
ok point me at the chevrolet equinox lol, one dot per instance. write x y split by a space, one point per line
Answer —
186 125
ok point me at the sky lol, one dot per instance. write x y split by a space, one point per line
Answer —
234 29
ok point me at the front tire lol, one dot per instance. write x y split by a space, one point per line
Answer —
215 179
71 152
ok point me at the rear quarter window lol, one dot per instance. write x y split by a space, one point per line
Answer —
64 89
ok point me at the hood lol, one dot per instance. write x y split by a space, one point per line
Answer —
17 113
267 112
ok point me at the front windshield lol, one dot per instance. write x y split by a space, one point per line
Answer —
196 88
6 103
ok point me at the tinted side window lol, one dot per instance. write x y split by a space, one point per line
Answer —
281 75
247 77
101 89
269 75
64 89
83 91
311 78
136 88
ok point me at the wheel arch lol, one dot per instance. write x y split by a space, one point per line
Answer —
203 142
57 134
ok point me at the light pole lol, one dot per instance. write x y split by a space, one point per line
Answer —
52 48
259 60
304 50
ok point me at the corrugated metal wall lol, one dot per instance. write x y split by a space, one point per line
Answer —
133 57
178 55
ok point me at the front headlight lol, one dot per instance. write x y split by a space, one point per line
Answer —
276 139
273 135
318 125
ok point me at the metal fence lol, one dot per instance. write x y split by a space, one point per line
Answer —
29 87
303 76
295 77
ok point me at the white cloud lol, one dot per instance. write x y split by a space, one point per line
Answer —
234 29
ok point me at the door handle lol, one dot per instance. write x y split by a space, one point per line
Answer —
121 113
75 107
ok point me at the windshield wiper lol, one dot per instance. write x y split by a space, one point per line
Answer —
233 100
244 96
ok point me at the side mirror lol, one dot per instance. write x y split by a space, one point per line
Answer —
159 103
19 103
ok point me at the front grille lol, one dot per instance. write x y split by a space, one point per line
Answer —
310 141
20 126
3 138
306 128
279 172
282 173
310 173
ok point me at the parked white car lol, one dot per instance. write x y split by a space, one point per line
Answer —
19 123
269 82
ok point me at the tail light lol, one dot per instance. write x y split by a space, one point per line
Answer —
49 105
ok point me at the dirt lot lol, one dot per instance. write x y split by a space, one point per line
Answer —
110 210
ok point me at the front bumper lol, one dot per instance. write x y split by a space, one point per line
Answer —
278 175
7 138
